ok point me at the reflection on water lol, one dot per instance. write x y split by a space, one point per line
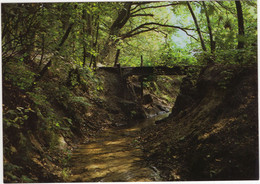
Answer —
114 156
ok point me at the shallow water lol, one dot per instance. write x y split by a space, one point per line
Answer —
114 155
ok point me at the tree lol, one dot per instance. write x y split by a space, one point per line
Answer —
197 27
241 29
212 42
127 13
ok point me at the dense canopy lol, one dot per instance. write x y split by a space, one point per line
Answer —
163 32
130 91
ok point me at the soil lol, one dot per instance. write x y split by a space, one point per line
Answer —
113 155
212 133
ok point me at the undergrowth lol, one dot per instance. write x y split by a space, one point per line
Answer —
34 120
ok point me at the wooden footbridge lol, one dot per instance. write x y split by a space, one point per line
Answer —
148 70
144 71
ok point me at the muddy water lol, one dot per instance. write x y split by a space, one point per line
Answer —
114 156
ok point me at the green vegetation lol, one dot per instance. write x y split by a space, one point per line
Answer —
51 52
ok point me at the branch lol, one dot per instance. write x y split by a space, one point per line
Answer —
135 31
65 36
159 31
136 6
214 4
128 35
172 4
141 3
226 8
139 15
161 25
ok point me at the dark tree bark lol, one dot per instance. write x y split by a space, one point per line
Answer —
142 83
212 43
241 29
197 27
45 68
122 18
117 56
131 10
65 36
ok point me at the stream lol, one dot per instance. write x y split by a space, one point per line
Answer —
114 155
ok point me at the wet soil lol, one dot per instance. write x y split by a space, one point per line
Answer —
114 155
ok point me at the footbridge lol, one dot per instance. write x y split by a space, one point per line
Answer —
149 70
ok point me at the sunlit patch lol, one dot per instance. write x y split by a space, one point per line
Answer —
217 128
115 142
112 156
175 175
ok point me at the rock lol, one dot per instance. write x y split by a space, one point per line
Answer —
62 143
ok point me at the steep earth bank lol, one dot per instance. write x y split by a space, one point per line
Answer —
212 133
70 105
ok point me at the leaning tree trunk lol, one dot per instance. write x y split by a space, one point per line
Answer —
121 20
197 27
45 68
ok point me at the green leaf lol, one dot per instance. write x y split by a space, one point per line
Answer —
26 179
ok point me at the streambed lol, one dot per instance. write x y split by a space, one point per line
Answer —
114 155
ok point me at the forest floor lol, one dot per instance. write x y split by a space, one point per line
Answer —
100 132
212 133
43 128
115 153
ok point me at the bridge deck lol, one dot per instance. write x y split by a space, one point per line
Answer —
147 70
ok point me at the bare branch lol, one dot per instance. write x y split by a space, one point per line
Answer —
139 15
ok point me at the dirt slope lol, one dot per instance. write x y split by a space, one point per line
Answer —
212 133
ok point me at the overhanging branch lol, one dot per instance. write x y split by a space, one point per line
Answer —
142 15
165 5
128 35
138 30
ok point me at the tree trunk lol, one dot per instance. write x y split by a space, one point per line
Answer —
83 35
121 20
95 42
212 43
197 27
241 30
117 56
142 83
45 68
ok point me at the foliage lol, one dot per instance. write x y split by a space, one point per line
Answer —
39 28
50 52
16 118
19 74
